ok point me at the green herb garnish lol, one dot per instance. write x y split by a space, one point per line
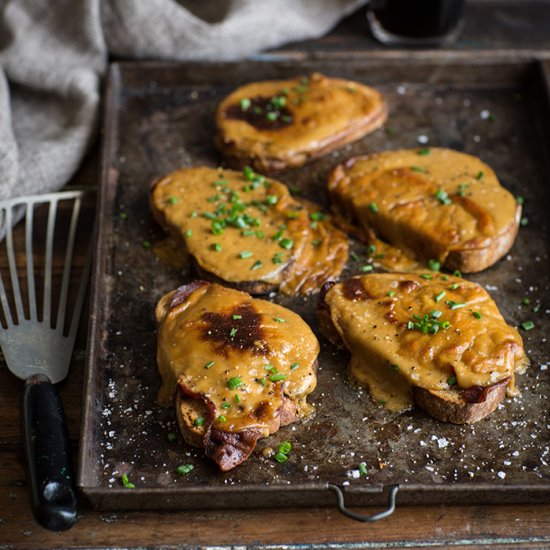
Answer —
172 437
424 151
451 380
210 364
455 305
476 314
184 469
366 268
279 319
217 247
126 482
480 175
232 332
442 196
418 169
245 104
373 207
434 265
199 421
362 469
286 243
438 297
527 325
277 377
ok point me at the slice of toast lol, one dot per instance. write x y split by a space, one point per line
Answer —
238 367
246 230
274 125
433 204
436 341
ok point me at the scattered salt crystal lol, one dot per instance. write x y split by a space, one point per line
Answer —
507 462
477 139
442 443
429 468
401 90
467 102
544 366
345 482
422 139
502 475
485 114
354 474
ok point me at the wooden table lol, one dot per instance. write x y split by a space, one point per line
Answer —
517 526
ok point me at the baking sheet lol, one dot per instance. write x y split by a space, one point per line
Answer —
160 117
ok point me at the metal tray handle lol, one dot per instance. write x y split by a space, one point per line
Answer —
360 517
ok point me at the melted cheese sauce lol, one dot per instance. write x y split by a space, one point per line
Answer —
244 230
239 353
373 313
427 205
322 110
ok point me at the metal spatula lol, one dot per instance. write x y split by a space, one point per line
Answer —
40 318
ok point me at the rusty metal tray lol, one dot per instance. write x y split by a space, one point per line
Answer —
160 116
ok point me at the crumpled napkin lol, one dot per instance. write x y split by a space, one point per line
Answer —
53 55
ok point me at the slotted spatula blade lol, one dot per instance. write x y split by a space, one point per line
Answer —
37 338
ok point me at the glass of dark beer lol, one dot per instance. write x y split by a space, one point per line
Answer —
415 22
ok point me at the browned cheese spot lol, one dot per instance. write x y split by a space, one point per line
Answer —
239 329
354 290
257 114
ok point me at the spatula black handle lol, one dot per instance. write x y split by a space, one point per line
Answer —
48 455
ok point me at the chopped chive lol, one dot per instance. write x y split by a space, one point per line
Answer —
277 377
217 247
316 242
272 116
236 317
279 319
366 268
226 405
237 398
271 199
354 257
193 214
426 276
285 447
234 383
294 366
524 221
418 169
519 199
210 364
245 254
434 265
362 469
436 314
260 234
172 437
126 482
184 469
257 265
442 196
391 131
451 380
457 273
476 314
371 249
317 216
232 332
440 296
248 173
285 243
269 367
280 457
395 367
123 216
536 309
424 151
527 325
454 286
277 258
455 305
245 104
391 293
526 301
199 421
222 418
247 232
188 233
480 175
262 381
146 244
174 200
373 207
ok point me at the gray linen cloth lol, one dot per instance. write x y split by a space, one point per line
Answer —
54 53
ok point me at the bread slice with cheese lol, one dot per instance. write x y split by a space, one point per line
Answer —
277 124
431 203
432 340
238 367
246 230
